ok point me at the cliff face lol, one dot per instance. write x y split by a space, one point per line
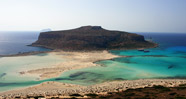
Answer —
91 38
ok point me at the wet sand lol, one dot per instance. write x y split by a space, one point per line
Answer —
77 60
73 60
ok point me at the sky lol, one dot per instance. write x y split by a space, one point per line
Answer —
124 15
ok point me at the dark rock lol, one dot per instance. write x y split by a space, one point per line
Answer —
2 75
171 66
119 79
91 38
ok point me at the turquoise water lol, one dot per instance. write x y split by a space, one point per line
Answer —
166 61
10 68
169 63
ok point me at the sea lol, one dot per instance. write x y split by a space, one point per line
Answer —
16 42
166 61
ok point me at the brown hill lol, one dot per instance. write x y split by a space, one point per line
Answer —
91 38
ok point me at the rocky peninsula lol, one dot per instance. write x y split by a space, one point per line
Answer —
91 38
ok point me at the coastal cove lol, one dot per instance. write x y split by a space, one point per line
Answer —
166 61
39 68
94 68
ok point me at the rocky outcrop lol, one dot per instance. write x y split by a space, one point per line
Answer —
91 38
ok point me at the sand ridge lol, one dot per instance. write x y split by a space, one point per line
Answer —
73 60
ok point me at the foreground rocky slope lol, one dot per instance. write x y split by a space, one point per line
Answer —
91 38
109 90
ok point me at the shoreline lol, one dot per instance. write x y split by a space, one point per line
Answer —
154 45
56 89
88 59
73 60
26 53
57 50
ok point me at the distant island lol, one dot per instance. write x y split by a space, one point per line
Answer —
91 38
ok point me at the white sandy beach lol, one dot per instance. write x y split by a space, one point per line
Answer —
73 60
77 60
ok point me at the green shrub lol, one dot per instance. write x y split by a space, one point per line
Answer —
180 98
172 94
77 95
162 88
130 94
182 85
91 95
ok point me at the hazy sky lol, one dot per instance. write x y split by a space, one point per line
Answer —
126 15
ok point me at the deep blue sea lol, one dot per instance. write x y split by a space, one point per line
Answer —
166 61
167 39
15 42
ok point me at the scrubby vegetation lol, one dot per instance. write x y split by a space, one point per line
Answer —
155 92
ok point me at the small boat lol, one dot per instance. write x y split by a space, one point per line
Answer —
140 49
146 51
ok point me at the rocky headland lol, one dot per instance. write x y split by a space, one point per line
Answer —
91 38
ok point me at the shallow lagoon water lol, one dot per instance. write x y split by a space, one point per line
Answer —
10 68
140 65
166 61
